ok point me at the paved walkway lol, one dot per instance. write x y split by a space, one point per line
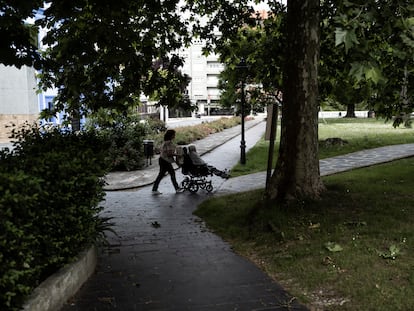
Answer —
164 258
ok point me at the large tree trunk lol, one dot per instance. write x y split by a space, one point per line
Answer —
350 111
297 174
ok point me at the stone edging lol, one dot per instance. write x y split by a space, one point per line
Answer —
55 291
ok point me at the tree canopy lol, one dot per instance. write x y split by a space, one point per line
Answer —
376 41
106 51
18 44
101 54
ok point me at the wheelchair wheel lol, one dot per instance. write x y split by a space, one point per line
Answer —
185 182
209 188
193 187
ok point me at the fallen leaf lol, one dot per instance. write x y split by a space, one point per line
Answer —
155 224
333 247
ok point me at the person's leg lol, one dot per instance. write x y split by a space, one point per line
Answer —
215 171
161 174
171 171
205 170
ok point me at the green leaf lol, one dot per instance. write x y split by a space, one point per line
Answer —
374 74
347 37
369 72
339 36
357 71
393 252
333 247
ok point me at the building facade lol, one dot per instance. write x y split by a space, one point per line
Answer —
18 99
204 72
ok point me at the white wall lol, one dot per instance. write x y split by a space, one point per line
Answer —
341 114
18 91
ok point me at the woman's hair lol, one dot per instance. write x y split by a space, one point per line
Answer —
169 135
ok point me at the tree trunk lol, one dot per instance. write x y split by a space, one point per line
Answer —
297 174
350 111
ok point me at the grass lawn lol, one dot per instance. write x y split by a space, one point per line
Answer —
351 250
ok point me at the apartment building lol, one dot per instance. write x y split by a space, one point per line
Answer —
204 71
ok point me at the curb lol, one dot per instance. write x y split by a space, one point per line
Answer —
56 290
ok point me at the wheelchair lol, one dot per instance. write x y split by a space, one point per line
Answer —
197 178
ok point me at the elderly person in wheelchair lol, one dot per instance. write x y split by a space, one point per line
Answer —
197 170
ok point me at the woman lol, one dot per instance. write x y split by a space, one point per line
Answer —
166 160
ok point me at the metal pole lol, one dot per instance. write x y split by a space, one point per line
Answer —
273 127
243 142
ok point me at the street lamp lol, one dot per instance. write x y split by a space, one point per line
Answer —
242 66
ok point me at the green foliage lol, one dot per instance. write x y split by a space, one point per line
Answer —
155 126
125 134
226 16
377 39
171 85
101 54
188 134
262 46
18 45
347 38
50 189
366 51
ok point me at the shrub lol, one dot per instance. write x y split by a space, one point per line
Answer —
125 134
50 188
155 126
126 150
187 134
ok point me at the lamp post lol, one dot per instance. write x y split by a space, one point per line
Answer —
242 66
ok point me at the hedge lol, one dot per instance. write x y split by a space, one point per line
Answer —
50 188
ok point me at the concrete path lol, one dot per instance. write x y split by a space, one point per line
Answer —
164 258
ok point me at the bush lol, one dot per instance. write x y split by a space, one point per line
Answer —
187 134
50 188
155 126
126 150
125 134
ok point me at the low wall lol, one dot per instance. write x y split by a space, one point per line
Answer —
341 114
55 291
